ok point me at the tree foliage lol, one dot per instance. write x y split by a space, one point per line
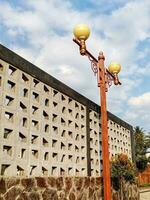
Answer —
142 144
122 169
141 162
149 159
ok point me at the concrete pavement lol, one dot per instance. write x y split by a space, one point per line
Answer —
145 194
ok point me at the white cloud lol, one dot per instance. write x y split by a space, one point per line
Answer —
140 101
46 28
138 111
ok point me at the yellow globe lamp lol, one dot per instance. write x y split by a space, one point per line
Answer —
114 68
81 32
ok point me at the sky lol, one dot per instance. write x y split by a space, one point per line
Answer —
41 32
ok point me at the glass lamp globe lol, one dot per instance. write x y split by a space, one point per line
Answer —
114 68
81 32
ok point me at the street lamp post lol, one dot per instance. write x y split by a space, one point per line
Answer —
105 77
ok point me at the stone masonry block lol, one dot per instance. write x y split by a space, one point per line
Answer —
68 184
91 193
72 196
78 183
23 196
34 196
86 182
59 183
51 181
92 182
12 193
41 182
1 198
28 183
50 194
98 181
2 186
12 182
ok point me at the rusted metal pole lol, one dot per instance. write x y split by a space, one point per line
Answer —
104 124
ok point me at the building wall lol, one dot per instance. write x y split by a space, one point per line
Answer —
119 139
46 128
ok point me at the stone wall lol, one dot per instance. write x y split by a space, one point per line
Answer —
60 188
129 192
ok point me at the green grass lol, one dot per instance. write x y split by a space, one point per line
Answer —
145 185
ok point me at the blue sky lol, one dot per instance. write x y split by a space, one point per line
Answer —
41 32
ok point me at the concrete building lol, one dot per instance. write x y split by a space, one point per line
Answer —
46 128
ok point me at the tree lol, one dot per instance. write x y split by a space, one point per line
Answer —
149 159
122 169
142 143
147 141
141 162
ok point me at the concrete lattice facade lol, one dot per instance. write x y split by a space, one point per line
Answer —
46 128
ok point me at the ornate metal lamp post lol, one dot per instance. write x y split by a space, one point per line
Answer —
105 77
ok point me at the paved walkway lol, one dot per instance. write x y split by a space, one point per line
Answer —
145 194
